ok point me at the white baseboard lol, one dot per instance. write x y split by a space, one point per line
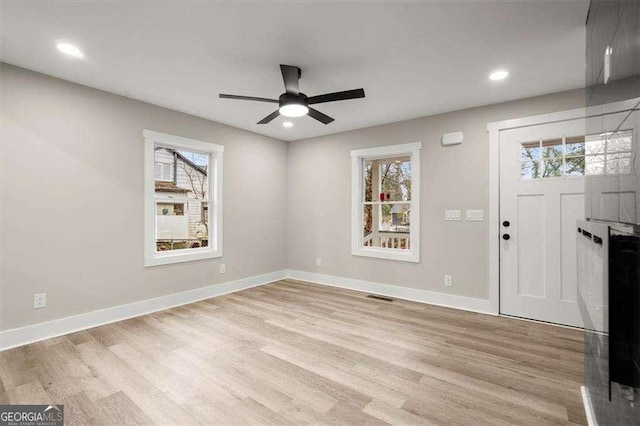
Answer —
397 292
46 330
588 408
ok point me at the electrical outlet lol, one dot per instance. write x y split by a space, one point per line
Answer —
448 281
318 261
39 300
223 268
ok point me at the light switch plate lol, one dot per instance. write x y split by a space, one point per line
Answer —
475 215
452 215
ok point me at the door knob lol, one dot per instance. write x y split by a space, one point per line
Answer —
506 223
506 237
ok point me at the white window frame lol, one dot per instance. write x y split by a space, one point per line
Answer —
214 176
357 201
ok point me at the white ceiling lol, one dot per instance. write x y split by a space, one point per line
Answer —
412 58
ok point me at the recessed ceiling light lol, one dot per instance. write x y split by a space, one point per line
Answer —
287 124
70 50
498 75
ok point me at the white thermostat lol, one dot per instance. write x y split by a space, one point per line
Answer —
452 138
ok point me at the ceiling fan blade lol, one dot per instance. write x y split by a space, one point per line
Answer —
269 117
323 118
291 75
248 98
336 96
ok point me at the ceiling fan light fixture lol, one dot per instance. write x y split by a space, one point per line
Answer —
293 110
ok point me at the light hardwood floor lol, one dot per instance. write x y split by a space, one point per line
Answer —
296 353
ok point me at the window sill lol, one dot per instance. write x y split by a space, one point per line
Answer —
185 255
389 254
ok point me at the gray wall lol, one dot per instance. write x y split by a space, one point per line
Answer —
455 177
71 187
72 200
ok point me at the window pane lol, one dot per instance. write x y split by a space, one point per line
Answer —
552 148
594 165
393 226
367 228
530 151
170 209
395 217
530 169
395 179
618 164
574 166
574 146
621 141
594 144
182 206
368 180
553 167
180 226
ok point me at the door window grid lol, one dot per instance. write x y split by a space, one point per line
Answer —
604 154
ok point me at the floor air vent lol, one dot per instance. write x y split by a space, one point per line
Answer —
375 296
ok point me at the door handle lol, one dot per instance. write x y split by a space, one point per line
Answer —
506 223
506 237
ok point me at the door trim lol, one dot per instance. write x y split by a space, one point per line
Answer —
494 129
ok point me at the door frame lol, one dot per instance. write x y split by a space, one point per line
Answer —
494 129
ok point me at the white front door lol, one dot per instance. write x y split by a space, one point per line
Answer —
541 198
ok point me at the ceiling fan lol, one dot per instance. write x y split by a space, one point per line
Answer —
293 103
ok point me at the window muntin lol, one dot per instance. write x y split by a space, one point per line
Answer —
184 214
592 155
385 202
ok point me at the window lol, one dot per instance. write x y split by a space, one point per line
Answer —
592 155
386 202
164 171
183 178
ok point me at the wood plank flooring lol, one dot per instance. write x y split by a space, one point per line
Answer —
296 353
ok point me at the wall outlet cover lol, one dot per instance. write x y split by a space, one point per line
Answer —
448 280
223 268
318 261
39 300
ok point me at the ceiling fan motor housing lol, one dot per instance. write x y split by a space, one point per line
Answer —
290 98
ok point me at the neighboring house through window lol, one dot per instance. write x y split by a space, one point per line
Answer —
164 171
386 202
183 177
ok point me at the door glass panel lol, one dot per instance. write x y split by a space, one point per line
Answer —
530 151
552 148
530 169
620 142
595 144
618 164
553 167
594 165
574 166
574 146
